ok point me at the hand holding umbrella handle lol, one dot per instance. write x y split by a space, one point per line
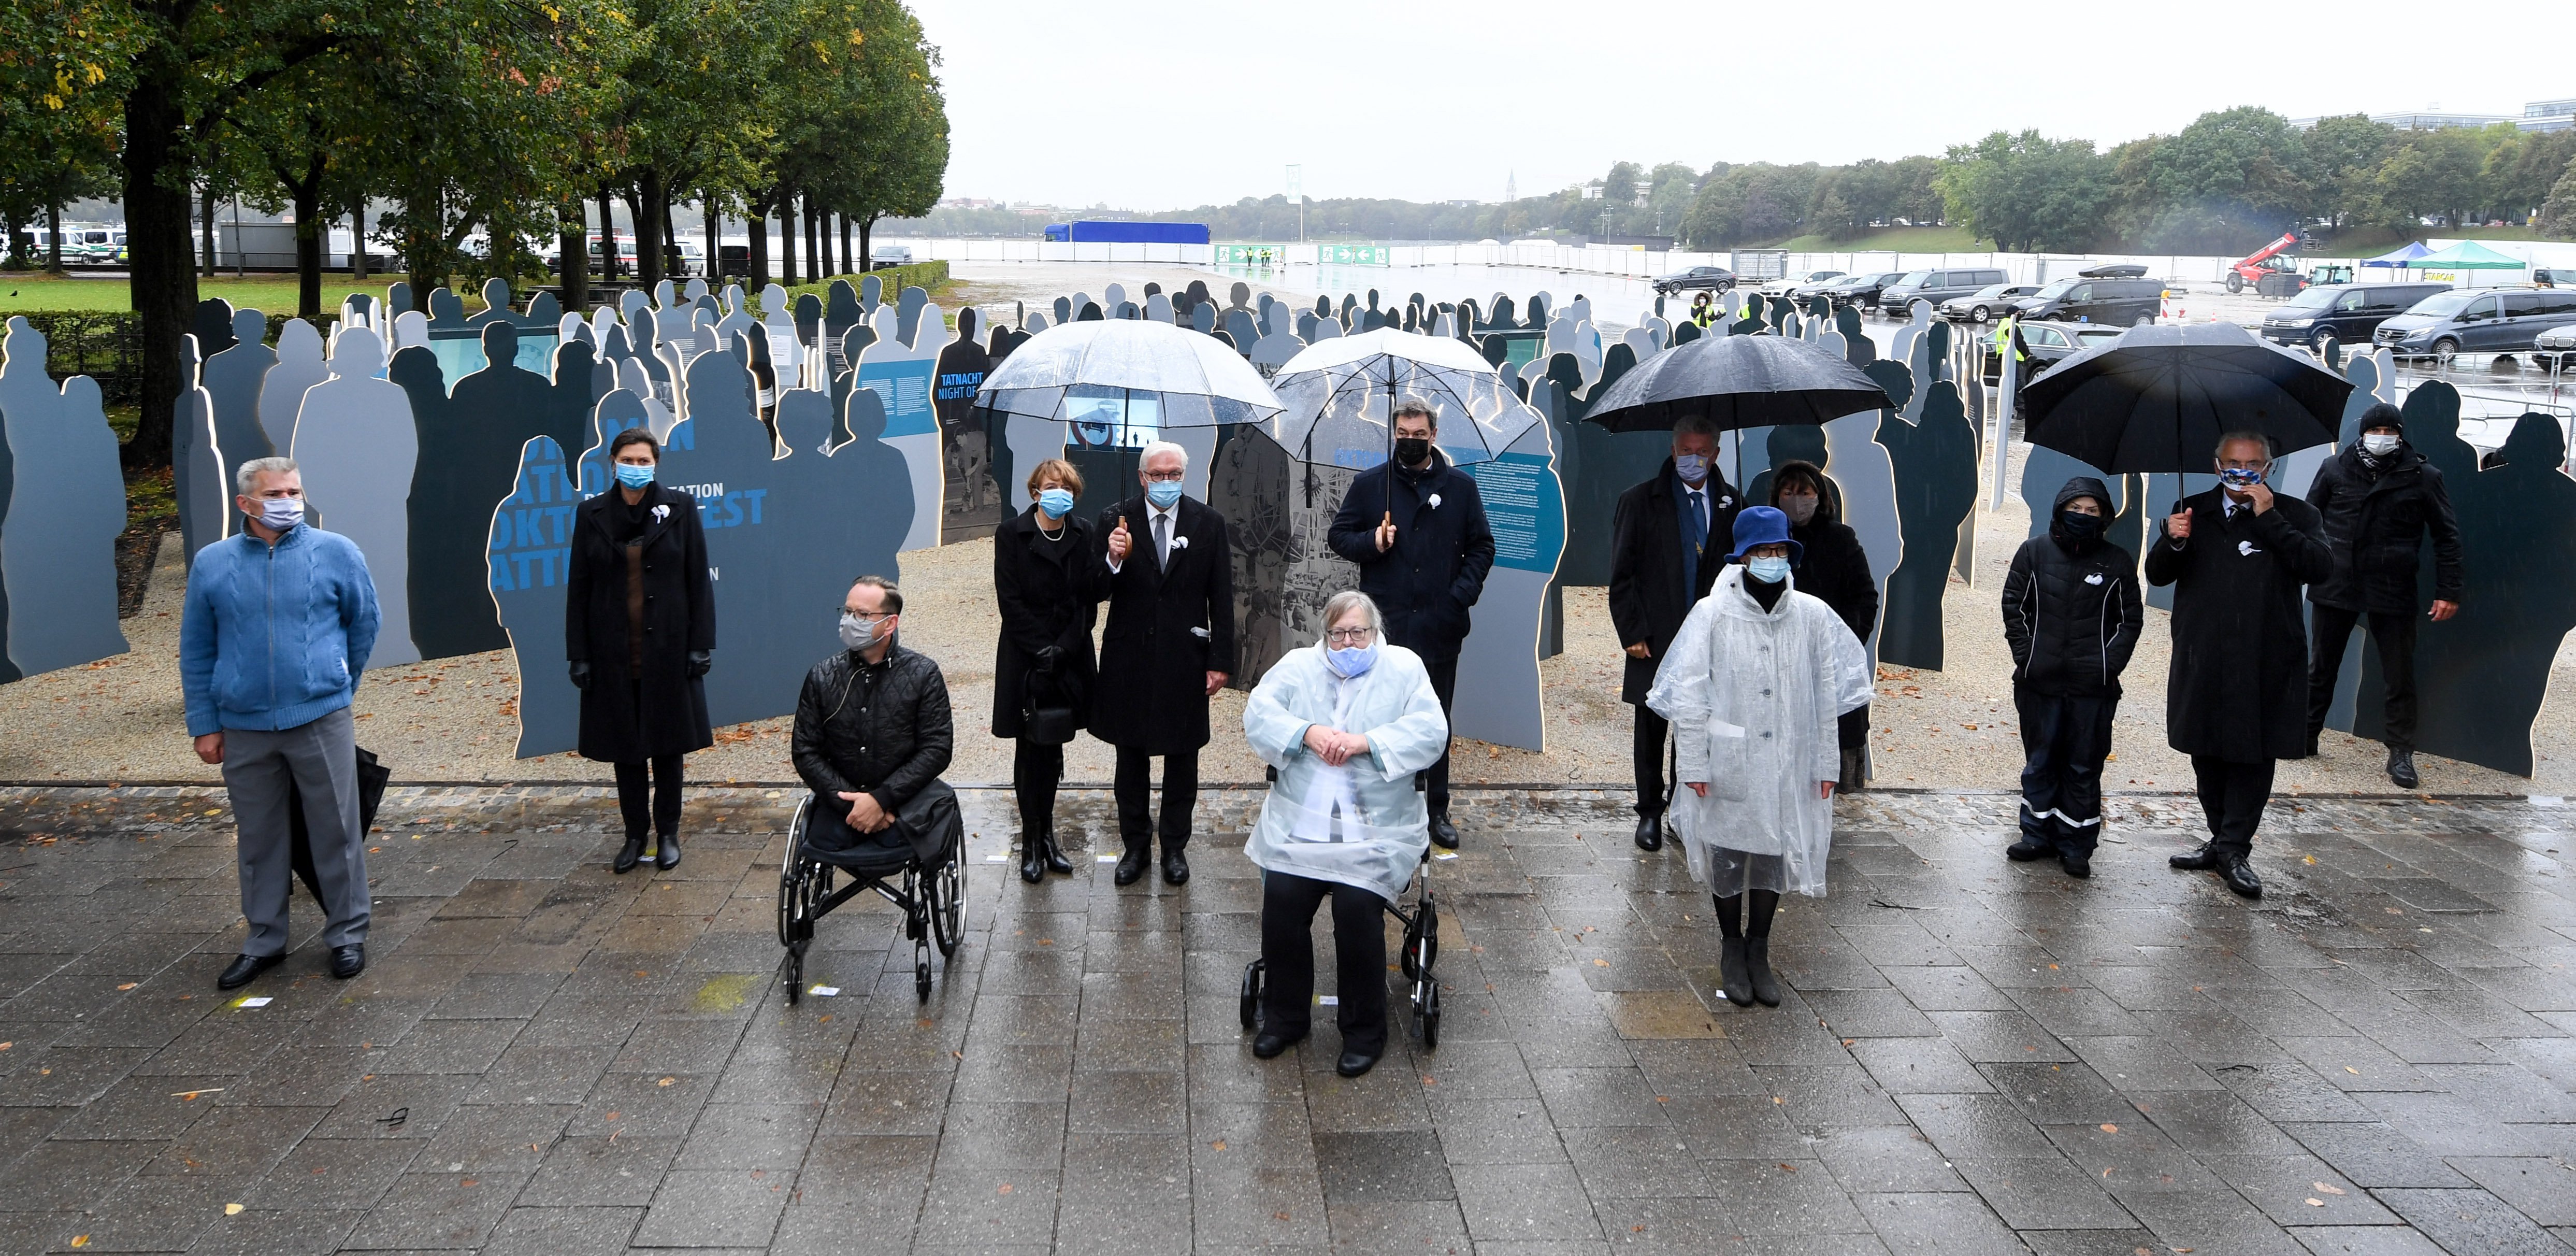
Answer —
2178 524
1118 541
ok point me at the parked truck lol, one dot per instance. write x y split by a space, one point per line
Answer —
1099 232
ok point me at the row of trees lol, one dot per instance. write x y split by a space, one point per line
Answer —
497 120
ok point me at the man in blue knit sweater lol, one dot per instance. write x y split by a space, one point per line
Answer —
278 625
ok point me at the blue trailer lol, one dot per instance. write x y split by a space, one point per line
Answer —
1097 232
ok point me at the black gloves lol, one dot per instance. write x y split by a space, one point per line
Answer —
1048 657
581 675
700 661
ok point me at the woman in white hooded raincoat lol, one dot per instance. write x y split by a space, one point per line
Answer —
1347 722
1753 685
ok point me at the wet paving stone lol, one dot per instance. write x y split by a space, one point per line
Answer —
1971 1056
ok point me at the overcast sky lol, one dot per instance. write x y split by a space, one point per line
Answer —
1156 104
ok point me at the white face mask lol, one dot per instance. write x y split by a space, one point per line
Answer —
2379 444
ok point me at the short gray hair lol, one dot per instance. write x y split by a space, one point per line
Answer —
1341 603
1695 425
257 467
1415 405
2265 442
1154 447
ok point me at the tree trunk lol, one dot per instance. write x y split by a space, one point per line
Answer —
205 223
713 223
867 227
756 227
813 242
787 237
670 240
54 238
850 265
358 241
607 237
312 233
644 205
572 257
162 282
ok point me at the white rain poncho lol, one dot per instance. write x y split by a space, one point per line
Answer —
1362 823
1753 696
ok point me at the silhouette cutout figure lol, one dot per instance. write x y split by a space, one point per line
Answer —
64 510
731 464
470 448
300 365
1935 473
359 447
233 379
528 557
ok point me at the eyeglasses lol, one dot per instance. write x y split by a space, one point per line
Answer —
1165 477
867 617
1349 636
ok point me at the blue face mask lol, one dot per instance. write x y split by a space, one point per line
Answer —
1767 570
2240 477
1693 468
633 476
1163 493
1352 662
1055 503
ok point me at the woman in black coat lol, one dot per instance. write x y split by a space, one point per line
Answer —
640 627
1834 568
1046 576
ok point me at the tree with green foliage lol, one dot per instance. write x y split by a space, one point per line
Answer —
2027 192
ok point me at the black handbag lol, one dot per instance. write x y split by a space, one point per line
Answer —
1046 711
373 776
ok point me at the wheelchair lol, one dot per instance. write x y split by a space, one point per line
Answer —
1421 949
932 898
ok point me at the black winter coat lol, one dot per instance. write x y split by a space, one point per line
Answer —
2238 689
2072 614
1167 629
679 616
2376 529
888 734
1831 564
1647 599
1425 585
1049 591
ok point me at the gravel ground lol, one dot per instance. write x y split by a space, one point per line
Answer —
120 719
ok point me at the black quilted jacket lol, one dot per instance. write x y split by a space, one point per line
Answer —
886 734
2072 618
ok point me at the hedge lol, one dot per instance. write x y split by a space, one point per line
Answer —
107 346
928 276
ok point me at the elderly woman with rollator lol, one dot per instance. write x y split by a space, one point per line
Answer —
1346 724
1754 685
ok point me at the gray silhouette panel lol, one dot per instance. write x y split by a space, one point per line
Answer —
471 443
205 497
299 366
908 308
529 557
359 447
1935 474
731 464
64 511
233 378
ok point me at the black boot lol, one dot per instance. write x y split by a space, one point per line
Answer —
1032 854
1854 780
2401 768
669 857
629 855
1443 833
1757 971
1053 852
1650 832
1731 974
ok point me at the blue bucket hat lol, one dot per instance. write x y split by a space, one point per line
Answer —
1764 525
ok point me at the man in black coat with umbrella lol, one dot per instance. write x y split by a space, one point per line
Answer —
1660 568
1168 648
2378 498
1423 560
2237 696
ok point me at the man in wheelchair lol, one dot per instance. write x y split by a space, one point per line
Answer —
872 736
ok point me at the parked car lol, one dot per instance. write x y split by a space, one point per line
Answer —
2555 277
1861 290
1696 279
2052 343
891 255
1788 285
2477 321
1936 286
1986 303
2348 313
1803 292
2555 349
2118 302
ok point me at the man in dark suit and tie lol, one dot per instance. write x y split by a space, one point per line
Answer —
1659 569
1168 648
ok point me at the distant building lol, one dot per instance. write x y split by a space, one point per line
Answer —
2548 115
2538 115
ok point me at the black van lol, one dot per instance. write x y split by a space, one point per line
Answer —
1935 286
2348 312
2111 302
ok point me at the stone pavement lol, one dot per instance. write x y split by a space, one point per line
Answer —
1977 1056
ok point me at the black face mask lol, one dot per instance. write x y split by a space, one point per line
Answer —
1411 450
2081 528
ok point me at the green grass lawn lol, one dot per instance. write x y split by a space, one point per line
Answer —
1895 239
273 294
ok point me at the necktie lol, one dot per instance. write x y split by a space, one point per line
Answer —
1699 522
1162 540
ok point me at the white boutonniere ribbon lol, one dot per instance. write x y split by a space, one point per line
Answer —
662 511
1435 501
1180 542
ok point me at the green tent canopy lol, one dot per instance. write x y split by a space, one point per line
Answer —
2466 255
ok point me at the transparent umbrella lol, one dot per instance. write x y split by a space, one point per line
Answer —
1340 393
1128 377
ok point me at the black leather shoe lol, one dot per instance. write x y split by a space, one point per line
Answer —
1131 865
2401 768
629 855
1268 1046
348 961
1055 860
1757 971
1354 1063
2077 866
1176 869
1032 857
2239 876
670 856
2197 859
245 967
1731 976
1650 832
2026 851
1443 834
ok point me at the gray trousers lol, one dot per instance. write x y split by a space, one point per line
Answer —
262 770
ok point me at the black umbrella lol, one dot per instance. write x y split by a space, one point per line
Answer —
2158 398
1738 382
